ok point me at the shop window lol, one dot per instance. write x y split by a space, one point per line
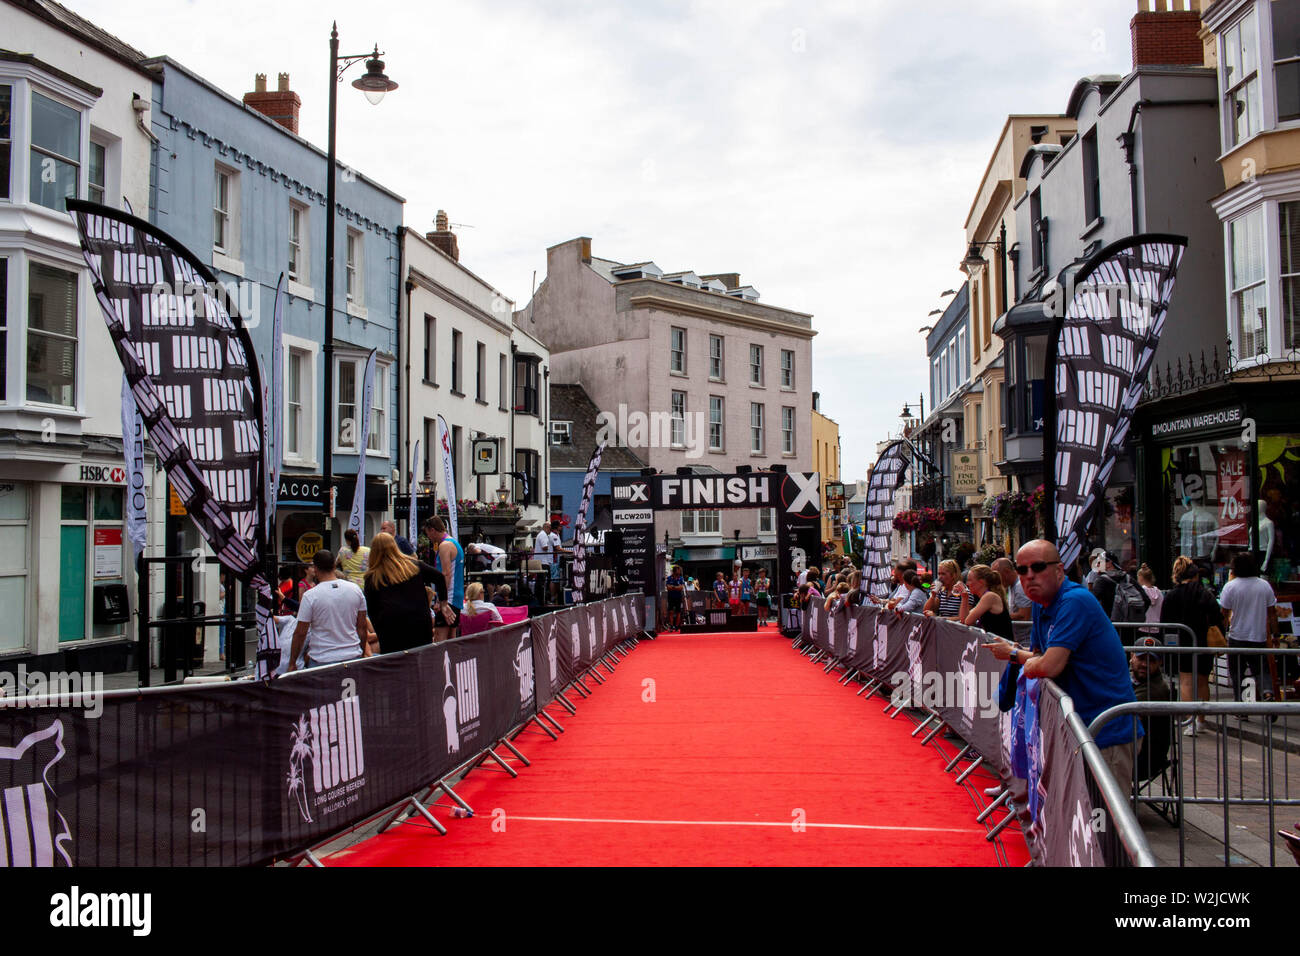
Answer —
1207 492
1278 527
14 561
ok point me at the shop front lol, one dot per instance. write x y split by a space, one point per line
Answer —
64 562
301 510
1223 478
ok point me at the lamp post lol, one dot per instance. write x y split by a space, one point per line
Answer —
374 84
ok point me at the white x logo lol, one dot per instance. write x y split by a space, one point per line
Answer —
809 492
638 493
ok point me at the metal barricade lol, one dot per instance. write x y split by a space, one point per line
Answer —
1215 769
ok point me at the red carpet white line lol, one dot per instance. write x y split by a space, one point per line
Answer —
750 823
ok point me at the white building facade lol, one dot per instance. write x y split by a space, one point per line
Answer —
72 107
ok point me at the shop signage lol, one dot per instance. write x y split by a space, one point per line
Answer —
101 474
108 552
308 545
965 472
1199 421
758 552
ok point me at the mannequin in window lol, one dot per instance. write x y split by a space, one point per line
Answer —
1267 533
1196 529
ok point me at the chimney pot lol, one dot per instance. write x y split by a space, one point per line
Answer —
281 105
443 237
1167 33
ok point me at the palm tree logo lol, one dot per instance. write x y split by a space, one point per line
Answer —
300 753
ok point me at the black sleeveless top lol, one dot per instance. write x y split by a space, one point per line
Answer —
998 624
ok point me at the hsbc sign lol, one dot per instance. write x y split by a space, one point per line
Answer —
101 474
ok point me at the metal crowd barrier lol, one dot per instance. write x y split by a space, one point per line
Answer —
1240 764
880 646
196 774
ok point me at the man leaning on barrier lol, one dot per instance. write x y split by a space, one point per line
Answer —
1075 643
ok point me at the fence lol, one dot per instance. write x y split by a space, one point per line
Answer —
1070 808
245 772
1228 780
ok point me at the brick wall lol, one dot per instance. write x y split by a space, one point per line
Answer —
1167 39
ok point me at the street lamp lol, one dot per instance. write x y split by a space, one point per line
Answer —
974 262
374 84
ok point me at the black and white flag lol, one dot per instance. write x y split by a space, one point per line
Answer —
273 427
878 523
1099 354
193 374
137 518
580 526
357 517
412 528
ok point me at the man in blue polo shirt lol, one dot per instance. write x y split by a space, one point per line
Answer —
1075 644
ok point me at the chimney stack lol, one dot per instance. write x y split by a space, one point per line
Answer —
1167 33
443 237
282 105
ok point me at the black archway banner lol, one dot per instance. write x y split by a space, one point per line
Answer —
796 497
1099 354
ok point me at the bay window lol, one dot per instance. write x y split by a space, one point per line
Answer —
1239 63
51 335
56 152
1248 291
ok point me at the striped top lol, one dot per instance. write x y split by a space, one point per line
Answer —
949 603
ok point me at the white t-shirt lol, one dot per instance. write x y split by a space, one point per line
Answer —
1249 600
330 609
542 547
481 606
556 543
287 626
1019 599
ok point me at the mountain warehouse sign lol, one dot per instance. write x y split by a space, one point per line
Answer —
1186 424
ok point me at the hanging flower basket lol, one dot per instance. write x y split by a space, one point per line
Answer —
468 506
920 519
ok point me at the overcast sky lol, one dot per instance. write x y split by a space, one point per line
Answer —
827 151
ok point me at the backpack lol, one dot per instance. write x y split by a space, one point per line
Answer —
1131 603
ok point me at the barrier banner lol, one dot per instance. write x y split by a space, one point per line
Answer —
244 772
969 702
1065 815
546 658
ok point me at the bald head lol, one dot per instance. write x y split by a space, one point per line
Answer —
1041 586
1006 571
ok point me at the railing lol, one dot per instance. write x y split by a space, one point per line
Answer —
1241 763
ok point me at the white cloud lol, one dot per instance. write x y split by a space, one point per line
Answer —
827 151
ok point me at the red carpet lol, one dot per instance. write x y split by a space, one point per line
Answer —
744 740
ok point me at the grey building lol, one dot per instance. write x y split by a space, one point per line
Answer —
1142 160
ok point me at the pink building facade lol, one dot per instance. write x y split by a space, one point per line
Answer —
692 371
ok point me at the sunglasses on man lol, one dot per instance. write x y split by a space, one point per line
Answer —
1038 567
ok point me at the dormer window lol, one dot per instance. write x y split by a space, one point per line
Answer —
561 433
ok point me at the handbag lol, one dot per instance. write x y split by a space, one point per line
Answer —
1214 637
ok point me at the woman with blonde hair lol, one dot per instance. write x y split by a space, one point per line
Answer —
475 605
838 598
396 599
989 612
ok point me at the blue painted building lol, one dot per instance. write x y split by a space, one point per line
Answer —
246 194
